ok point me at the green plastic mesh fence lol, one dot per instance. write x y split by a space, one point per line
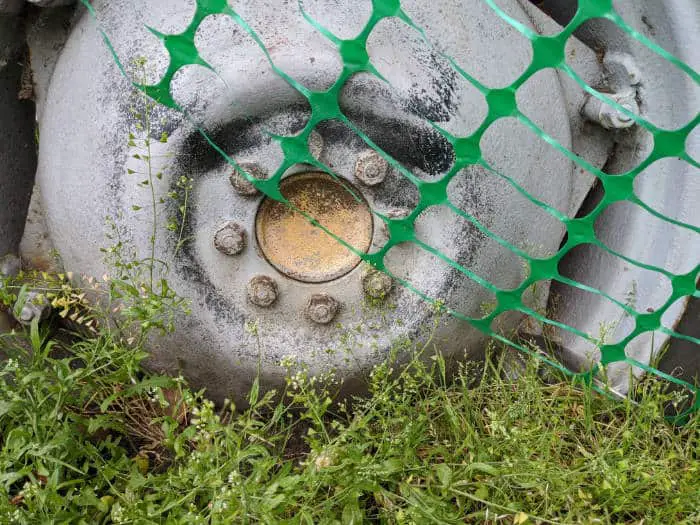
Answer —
548 52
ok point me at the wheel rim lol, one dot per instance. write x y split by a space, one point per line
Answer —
209 287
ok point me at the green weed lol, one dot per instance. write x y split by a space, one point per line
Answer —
88 436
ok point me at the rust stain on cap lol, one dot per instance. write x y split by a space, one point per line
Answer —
302 251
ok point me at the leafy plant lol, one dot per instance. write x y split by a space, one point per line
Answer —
139 286
89 436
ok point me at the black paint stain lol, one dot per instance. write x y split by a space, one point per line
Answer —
422 147
649 26
438 103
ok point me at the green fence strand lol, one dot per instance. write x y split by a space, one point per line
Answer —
548 52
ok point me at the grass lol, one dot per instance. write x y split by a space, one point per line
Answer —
88 436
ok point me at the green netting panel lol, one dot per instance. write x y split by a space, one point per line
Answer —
548 52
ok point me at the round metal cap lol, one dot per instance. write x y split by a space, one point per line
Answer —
302 251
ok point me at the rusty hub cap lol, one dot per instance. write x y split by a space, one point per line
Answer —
303 251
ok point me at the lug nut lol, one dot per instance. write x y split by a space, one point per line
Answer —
36 306
395 213
370 168
262 291
322 308
607 116
242 185
376 284
230 239
315 144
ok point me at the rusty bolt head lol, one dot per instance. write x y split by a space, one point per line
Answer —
376 284
395 213
230 239
322 308
370 168
242 185
262 290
